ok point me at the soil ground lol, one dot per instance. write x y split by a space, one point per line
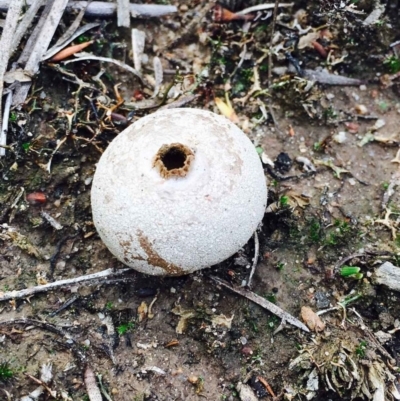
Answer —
319 218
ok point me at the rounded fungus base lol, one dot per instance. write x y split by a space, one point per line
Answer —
177 191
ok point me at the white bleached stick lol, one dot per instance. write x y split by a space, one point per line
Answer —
101 275
123 13
6 43
4 128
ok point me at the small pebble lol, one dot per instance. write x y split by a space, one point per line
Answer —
340 137
246 351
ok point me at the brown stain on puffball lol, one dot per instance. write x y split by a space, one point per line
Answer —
183 152
154 259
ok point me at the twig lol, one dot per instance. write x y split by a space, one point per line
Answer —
266 385
6 44
43 384
255 259
341 262
34 37
87 56
104 274
104 9
49 327
271 43
44 34
54 258
26 22
263 7
180 102
64 306
102 388
73 27
276 310
4 128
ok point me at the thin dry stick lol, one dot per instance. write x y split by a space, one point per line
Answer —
276 310
104 274
4 128
38 43
47 32
68 39
87 56
6 43
270 62
103 9
49 327
266 385
255 260
263 7
72 28
344 260
26 22
107 9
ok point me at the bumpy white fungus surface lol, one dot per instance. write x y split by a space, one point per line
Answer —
178 220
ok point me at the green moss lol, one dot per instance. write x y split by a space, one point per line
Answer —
6 373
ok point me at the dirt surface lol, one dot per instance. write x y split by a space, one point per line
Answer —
347 205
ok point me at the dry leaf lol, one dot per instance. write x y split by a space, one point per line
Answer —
222 320
226 109
185 315
142 311
296 199
22 242
328 163
308 39
311 319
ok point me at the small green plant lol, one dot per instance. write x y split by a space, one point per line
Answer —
6 373
26 146
351 272
385 185
360 350
314 232
280 266
392 63
259 150
13 117
284 200
109 305
330 113
271 297
317 146
125 328
272 322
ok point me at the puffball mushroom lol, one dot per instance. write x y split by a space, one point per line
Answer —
177 191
